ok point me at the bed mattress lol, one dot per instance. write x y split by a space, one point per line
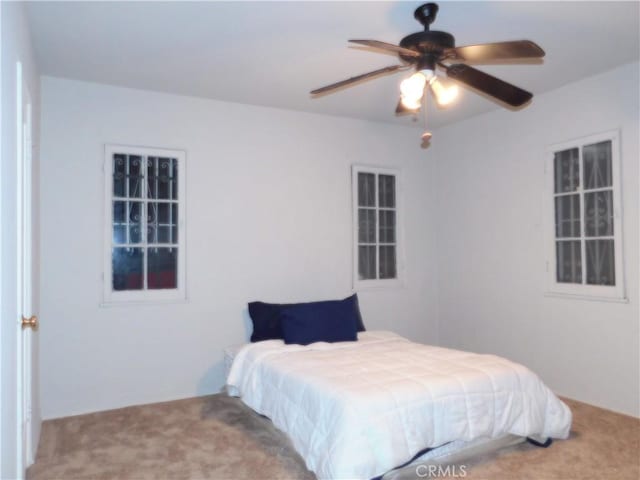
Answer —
359 409
453 452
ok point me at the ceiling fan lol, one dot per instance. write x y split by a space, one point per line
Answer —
428 50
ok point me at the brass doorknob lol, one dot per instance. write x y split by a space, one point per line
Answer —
30 322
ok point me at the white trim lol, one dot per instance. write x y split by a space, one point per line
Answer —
592 298
584 291
2 229
397 282
141 303
111 297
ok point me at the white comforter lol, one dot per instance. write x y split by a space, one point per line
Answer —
359 409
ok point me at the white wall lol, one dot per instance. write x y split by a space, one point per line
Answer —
268 217
16 46
491 246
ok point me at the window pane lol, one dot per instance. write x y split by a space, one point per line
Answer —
568 216
600 262
135 176
366 225
597 165
162 178
119 174
386 191
598 213
127 176
568 262
366 189
387 226
567 173
387 261
162 264
127 268
367 262
162 222
126 222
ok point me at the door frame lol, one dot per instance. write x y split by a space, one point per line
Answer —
24 273
26 267
20 459
2 226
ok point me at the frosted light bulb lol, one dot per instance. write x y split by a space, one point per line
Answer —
449 95
413 86
444 95
412 90
410 103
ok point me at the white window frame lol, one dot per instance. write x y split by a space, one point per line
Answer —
584 291
113 297
359 284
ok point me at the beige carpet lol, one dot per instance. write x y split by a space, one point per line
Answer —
217 437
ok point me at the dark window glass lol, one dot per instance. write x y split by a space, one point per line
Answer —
567 170
598 213
367 262
127 219
162 268
387 191
162 222
366 225
569 262
145 213
597 165
127 264
366 189
162 178
387 261
387 226
568 216
600 262
377 223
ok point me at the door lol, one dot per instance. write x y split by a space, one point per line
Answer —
26 321
16 276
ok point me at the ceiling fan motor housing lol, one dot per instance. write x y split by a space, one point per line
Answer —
431 44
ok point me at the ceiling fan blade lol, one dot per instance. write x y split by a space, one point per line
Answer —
357 78
496 51
387 46
488 84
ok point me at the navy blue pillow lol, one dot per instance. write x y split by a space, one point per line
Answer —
329 321
266 318
266 321
356 306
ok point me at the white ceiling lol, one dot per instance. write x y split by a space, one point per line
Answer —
273 53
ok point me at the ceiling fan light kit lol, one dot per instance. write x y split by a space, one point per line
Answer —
429 50
412 90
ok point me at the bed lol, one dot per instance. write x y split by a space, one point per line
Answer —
360 409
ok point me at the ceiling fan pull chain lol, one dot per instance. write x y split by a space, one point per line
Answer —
426 136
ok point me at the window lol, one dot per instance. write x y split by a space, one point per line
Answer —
376 219
144 231
585 250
